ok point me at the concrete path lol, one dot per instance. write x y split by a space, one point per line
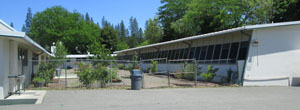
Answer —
244 98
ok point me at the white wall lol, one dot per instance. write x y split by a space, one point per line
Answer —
4 67
276 56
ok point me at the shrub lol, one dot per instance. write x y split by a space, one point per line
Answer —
101 74
178 75
210 73
153 66
129 67
85 74
121 66
46 71
38 80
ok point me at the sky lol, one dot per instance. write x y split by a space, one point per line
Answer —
113 10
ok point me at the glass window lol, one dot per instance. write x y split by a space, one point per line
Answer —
191 54
181 54
233 50
217 51
197 53
210 51
243 50
203 52
225 50
186 53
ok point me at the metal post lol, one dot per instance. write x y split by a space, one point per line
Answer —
66 81
143 80
111 74
196 67
169 83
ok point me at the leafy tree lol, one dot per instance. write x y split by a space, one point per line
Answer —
109 37
100 51
57 23
60 50
171 11
289 10
153 32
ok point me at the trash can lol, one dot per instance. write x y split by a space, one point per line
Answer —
136 79
57 71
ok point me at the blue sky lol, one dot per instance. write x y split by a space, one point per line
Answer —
113 10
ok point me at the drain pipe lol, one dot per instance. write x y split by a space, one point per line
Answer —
247 54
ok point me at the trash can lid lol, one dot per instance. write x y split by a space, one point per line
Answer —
136 72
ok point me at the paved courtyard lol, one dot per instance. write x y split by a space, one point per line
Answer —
244 98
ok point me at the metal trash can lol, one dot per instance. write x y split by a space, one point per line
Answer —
136 79
57 71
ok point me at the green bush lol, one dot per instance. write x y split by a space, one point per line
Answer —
178 75
101 74
189 76
88 74
129 67
46 71
38 80
121 66
85 74
210 73
153 66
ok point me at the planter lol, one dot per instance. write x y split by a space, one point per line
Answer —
39 84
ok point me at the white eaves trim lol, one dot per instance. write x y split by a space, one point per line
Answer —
249 27
7 26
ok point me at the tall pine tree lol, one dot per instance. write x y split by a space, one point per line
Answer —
28 21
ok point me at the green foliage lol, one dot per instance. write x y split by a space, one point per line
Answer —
57 23
85 74
153 66
88 74
122 45
182 18
109 37
38 80
100 51
46 71
101 74
129 67
121 66
210 73
153 32
178 75
135 61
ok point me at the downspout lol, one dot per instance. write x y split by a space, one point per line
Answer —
247 54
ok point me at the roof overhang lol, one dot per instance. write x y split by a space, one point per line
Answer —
243 28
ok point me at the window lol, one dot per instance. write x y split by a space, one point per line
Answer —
233 50
197 53
209 53
181 54
217 51
186 53
243 50
191 54
203 52
225 50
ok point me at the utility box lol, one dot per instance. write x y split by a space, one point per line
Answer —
136 79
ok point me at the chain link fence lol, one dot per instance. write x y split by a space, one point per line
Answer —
157 73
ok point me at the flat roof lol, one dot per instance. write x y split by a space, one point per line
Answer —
248 27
